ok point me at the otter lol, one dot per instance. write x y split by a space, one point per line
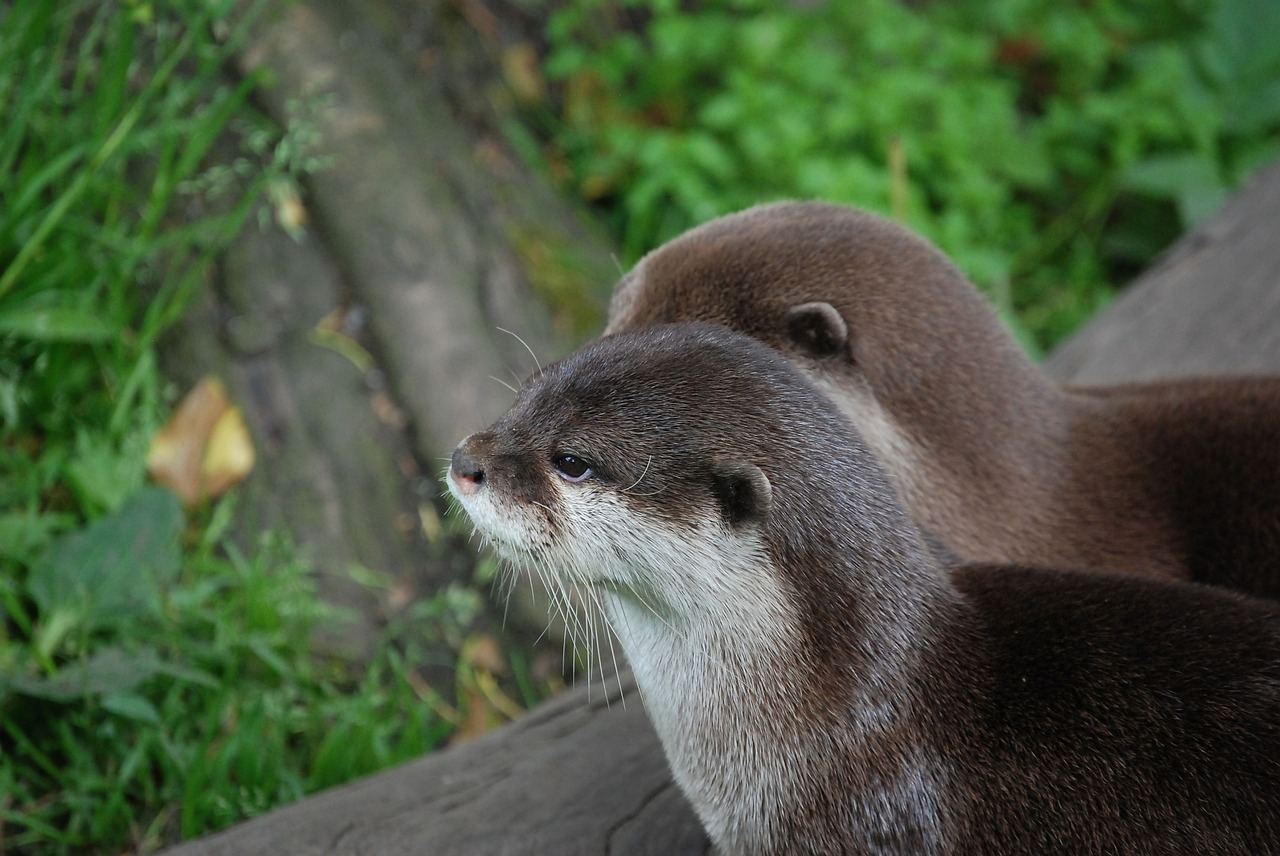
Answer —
819 682
1177 478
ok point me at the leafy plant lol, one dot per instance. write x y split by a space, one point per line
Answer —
156 682
1051 149
183 696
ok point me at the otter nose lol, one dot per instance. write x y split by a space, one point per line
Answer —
467 473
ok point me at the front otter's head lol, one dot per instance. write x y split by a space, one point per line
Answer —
631 441
658 463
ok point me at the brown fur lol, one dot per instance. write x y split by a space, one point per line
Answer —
913 710
1178 478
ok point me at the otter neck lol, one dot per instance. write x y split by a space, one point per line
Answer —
986 485
737 689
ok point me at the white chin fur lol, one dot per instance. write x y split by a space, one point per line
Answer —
512 530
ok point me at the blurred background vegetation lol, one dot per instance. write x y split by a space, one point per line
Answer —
1052 149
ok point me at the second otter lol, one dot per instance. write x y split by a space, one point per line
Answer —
820 684
1177 478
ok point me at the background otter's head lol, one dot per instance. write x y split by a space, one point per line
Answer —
849 296
890 330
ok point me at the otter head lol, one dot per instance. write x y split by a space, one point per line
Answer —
626 451
883 323
669 465
848 296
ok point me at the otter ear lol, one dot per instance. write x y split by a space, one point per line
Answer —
743 490
817 329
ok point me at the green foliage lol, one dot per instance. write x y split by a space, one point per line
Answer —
108 218
155 682
181 695
1050 148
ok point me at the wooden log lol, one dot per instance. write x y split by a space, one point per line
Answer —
523 789
579 776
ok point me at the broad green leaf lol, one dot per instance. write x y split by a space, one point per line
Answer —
101 474
24 534
132 706
1191 180
110 571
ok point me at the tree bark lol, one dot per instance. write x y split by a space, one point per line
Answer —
432 240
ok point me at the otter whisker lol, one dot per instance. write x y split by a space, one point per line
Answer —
570 640
573 629
626 620
506 585
588 629
597 630
650 493
586 640
613 654
504 383
530 570
590 633
561 606
643 473
537 366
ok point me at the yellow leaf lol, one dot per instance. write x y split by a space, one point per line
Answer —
228 456
177 450
290 213
204 448
482 651
476 717
521 69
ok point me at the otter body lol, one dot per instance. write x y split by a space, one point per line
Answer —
819 682
1170 479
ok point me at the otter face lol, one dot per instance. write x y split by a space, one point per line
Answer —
618 473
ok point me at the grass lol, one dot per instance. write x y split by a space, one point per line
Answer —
156 683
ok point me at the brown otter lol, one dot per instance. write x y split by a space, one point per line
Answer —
1178 478
820 683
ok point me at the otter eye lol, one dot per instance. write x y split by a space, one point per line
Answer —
571 468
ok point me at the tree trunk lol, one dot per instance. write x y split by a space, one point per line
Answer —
426 242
